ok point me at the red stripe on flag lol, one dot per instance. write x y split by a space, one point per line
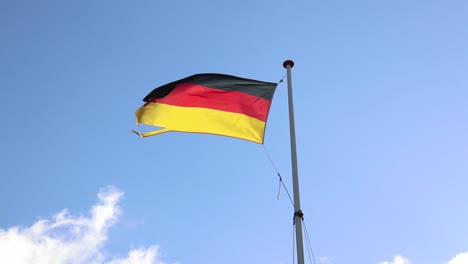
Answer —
194 95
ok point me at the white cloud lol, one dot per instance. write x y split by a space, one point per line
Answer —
461 258
72 240
140 256
397 260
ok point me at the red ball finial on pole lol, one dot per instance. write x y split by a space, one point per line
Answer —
287 63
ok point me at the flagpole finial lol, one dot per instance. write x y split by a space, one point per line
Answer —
287 63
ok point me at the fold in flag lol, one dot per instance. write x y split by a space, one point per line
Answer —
209 103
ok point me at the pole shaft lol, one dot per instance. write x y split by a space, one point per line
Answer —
295 174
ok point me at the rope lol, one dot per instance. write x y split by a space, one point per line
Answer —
306 233
281 182
271 160
282 79
309 246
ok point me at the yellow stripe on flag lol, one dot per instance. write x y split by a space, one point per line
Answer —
200 120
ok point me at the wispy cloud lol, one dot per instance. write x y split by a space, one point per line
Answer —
325 260
397 260
75 240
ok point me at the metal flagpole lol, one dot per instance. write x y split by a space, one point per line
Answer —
298 215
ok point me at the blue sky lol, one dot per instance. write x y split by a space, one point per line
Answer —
381 119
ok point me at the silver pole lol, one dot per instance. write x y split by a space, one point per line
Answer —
288 64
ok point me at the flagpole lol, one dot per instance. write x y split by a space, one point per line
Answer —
298 215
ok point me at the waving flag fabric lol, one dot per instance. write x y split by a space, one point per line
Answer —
209 103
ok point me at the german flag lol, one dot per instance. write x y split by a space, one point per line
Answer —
209 103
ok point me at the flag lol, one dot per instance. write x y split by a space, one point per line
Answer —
209 103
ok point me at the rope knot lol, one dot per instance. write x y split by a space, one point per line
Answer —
299 214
